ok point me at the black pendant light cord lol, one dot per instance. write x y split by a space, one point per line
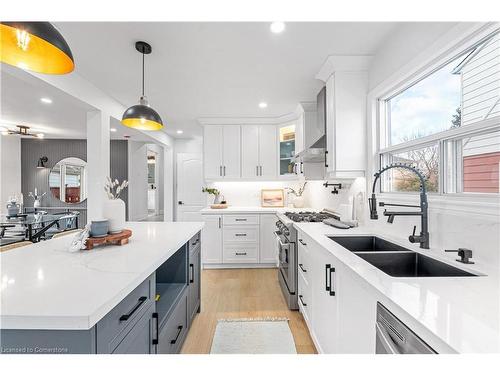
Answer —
143 74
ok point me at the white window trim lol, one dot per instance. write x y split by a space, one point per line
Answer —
445 49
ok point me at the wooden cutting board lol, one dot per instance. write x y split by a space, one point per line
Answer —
111 239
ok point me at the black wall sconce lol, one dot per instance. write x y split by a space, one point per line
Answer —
336 187
42 161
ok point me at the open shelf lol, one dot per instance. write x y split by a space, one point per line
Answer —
169 294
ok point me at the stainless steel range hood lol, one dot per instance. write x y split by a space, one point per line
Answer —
315 133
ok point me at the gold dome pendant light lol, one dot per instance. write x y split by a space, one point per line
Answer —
141 116
35 46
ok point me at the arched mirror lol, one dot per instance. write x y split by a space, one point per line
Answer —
68 180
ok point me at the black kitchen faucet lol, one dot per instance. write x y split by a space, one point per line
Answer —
423 238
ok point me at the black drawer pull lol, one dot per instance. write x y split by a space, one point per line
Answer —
240 234
240 219
302 242
332 292
140 301
327 269
155 340
241 253
191 271
302 301
179 330
302 267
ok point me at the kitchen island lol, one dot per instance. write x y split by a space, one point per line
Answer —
138 298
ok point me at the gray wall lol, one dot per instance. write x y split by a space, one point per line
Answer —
55 150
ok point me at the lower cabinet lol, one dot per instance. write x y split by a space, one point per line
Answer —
172 332
194 297
236 240
139 339
338 307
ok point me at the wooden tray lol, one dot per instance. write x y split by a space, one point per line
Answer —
113 239
218 206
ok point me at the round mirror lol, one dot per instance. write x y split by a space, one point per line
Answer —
68 180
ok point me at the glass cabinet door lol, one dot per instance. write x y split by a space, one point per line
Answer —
286 149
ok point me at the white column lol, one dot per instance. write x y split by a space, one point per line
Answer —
97 161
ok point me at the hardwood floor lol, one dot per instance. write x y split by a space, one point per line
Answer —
242 293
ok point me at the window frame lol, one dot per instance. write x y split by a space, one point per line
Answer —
383 130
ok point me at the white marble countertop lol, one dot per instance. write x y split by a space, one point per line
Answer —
250 210
45 287
454 314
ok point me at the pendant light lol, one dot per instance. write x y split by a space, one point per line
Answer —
35 46
141 116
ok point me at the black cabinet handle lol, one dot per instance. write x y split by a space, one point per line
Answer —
302 242
302 301
326 159
332 292
155 340
240 235
241 253
240 219
179 330
191 271
327 269
134 309
302 268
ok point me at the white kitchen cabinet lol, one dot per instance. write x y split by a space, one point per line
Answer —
357 311
325 286
221 151
268 251
259 151
239 240
346 124
211 244
212 151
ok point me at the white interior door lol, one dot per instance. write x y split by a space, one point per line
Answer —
190 199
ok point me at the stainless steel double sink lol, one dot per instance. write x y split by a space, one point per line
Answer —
396 260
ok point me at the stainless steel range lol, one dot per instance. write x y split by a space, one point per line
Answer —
286 239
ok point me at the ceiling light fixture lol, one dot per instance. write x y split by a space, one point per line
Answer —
142 116
35 46
277 27
112 130
262 105
23 130
46 100
180 131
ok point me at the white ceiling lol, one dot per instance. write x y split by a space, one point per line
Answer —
215 69
65 117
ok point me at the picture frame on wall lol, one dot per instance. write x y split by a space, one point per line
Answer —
272 198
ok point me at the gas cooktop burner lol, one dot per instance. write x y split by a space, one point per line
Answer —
309 216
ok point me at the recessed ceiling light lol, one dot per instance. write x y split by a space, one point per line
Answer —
262 105
112 129
46 100
179 132
277 27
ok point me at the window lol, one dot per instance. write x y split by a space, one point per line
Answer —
447 124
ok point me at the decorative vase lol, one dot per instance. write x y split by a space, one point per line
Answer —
298 202
114 211
218 199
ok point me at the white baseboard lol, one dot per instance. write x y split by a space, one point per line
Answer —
211 266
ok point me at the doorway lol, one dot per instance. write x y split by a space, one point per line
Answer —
190 198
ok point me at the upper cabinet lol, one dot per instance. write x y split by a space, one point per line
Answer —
221 151
346 81
258 151
287 149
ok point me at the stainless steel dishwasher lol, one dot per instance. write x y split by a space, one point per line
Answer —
393 337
